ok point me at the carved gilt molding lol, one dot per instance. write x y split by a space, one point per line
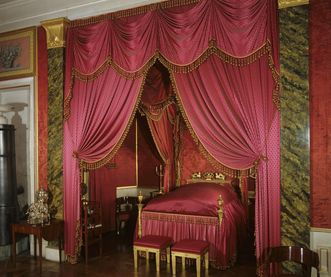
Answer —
291 3
56 32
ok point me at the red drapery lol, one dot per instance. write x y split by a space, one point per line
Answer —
223 59
157 106
320 114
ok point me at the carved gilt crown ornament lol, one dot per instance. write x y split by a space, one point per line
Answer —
56 32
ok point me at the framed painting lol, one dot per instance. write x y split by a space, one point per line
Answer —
17 54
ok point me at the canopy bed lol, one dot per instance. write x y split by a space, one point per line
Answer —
222 57
207 211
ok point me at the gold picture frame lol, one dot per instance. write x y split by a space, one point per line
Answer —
17 53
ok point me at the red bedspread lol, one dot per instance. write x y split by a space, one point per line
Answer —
194 199
190 212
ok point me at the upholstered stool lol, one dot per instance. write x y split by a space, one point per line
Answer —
152 244
194 249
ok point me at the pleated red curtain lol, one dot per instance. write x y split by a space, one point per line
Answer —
158 107
223 59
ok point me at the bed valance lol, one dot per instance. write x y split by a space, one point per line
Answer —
223 62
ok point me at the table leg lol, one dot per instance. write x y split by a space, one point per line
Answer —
35 246
14 246
40 251
60 247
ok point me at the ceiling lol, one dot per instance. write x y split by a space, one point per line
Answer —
5 1
17 14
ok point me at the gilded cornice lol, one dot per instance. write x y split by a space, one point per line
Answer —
291 3
56 32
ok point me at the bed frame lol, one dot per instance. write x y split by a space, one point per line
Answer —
196 178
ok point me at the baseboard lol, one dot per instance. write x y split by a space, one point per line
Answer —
22 245
320 241
52 254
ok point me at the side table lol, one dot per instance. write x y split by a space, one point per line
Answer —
49 232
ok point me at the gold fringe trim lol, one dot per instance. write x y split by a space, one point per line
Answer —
275 76
130 75
232 262
226 170
131 12
97 164
67 100
155 112
225 57
181 218
212 49
73 259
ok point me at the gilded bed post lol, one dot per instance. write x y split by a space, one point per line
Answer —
140 207
220 203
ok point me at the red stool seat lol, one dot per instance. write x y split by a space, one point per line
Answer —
191 246
159 242
193 249
154 244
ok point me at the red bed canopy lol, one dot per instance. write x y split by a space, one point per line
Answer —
223 62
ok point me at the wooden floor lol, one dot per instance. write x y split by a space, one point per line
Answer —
117 260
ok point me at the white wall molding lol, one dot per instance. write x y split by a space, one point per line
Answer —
25 13
320 241
29 83
52 254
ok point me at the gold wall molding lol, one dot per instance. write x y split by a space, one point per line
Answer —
56 32
291 3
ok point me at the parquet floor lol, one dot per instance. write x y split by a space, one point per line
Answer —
117 261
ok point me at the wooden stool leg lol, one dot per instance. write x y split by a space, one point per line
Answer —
135 257
168 254
183 263
173 261
157 259
147 256
207 260
198 261
60 246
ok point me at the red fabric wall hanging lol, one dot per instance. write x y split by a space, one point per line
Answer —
320 112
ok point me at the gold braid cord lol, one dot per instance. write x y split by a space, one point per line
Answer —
73 259
131 12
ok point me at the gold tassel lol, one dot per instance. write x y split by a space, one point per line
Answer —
73 259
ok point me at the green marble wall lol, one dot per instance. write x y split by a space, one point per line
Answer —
55 126
294 126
